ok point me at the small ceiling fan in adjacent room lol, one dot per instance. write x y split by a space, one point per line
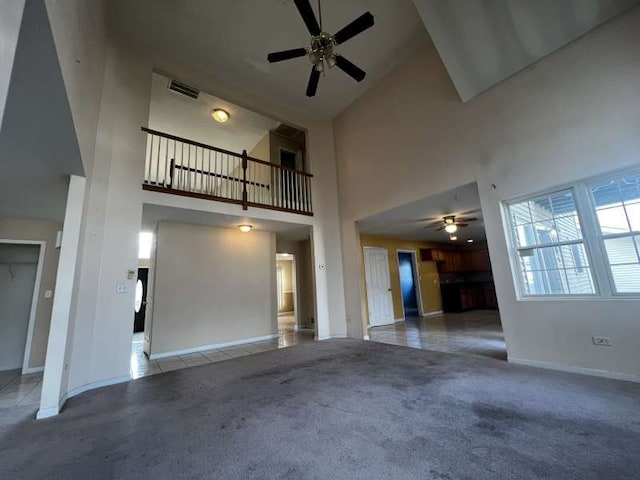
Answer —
322 51
451 223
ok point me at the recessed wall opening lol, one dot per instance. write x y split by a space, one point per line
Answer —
428 278
202 145
208 291
21 267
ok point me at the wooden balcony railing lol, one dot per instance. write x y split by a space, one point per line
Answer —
184 167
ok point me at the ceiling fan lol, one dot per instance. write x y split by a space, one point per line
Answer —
323 46
451 223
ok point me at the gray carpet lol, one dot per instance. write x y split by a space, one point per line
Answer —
337 410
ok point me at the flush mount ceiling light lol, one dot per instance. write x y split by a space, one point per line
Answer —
470 240
245 228
220 115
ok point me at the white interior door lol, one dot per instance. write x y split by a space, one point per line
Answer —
376 266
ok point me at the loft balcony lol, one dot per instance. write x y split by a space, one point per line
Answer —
179 166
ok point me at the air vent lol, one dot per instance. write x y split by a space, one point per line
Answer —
183 89
286 131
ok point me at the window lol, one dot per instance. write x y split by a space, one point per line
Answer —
555 235
550 248
617 208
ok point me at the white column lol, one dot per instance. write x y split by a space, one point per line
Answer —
54 367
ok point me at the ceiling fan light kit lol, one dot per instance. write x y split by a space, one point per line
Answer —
322 50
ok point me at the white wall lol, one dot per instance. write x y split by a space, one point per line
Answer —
212 285
14 229
10 20
574 114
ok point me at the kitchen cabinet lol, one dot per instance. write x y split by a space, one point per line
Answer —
461 297
455 261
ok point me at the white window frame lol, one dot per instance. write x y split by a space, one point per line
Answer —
592 239
600 237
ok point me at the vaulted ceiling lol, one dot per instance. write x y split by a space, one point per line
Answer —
481 42
231 39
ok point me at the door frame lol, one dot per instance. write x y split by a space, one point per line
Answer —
34 301
416 279
366 286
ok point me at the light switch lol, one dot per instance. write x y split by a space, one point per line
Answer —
122 288
48 293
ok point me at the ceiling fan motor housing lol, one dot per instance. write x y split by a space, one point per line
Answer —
322 51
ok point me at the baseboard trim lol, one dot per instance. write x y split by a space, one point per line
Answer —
396 320
30 370
233 343
431 314
329 337
594 372
366 337
53 411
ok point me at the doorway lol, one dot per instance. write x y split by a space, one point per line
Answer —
21 265
409 283
140 306
378 283
286 292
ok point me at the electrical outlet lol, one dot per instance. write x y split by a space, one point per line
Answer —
48 293
602 341
122 288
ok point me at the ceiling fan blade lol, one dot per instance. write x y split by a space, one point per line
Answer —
349 68
359 25
458 224
286 55
441 228
309 18
467 220
312 86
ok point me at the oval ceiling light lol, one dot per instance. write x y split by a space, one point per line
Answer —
453 238
451 228
470 240
220 115
245 228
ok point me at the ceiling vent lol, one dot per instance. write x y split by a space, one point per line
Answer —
183 89
286 131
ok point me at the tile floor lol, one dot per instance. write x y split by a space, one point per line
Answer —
25 390
19 390
478 332
141 366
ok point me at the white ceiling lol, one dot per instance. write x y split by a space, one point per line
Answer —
231 39
190 118
408 221
483 42
152 214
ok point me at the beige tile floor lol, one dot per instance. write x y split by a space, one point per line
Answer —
141 366
18 390
478 332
